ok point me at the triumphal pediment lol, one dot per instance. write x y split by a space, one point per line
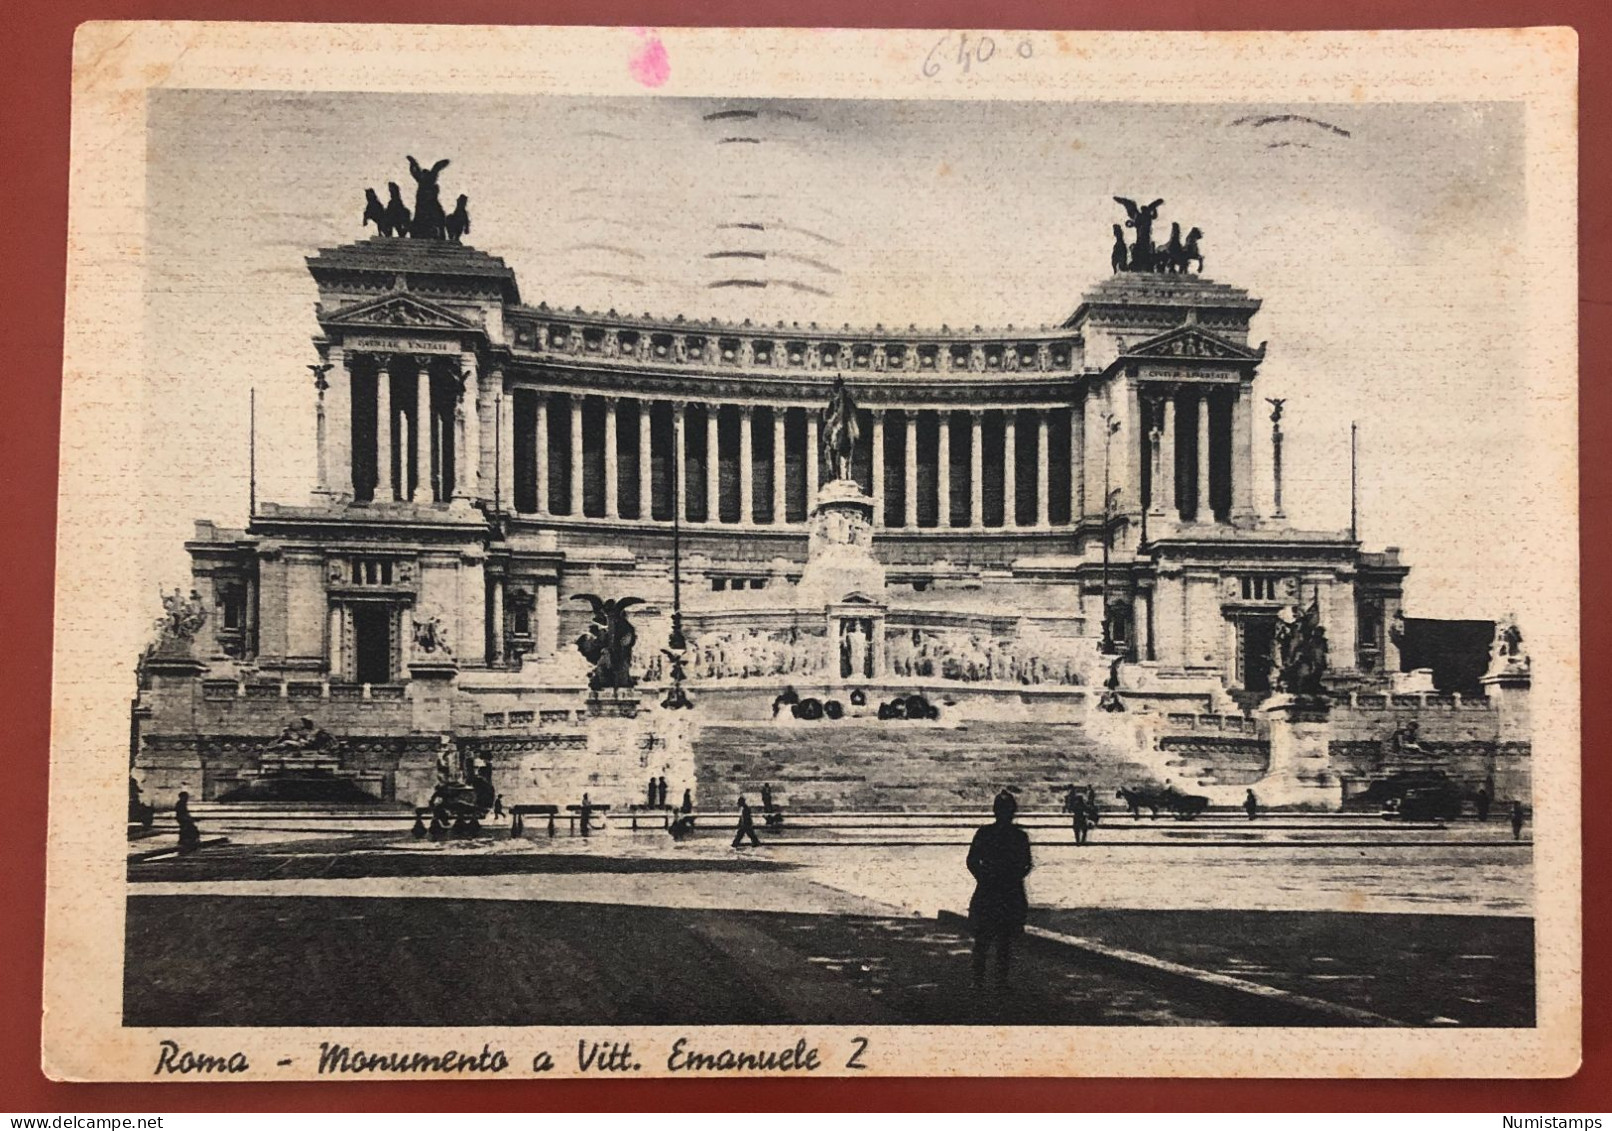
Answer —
1191 342
400 311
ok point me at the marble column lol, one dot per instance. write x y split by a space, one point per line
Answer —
912 467
548 620
1242 454
1155 445
747 465
579 465
1010 468
1043 471
713 463
646 463
612 460
780 454
1095 451
943 470
1204 513
498 621
976 467
467 457
321 434
340 423
1164 481
383 434
680 458
876 469
333 641
813 477
540 452
1077 462
506 448
422 435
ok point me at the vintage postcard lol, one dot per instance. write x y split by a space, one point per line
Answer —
630 552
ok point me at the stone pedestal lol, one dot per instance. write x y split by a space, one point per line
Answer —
1507 688
627 743
613 703
167 758
431 690
1300 770
839 551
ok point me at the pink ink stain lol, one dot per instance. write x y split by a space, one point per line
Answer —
649 64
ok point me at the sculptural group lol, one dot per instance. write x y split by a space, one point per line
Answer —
428 221
841 429
608 642
1299 653
1173 257
182 618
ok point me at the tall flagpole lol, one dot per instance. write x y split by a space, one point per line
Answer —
1354 483
251 459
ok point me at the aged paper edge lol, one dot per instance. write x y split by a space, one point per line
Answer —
116 64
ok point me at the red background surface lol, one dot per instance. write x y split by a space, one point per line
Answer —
35 69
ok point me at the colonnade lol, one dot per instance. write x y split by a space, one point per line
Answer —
578 455
399 427
1199 452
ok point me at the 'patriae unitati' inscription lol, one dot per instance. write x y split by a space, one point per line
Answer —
390 343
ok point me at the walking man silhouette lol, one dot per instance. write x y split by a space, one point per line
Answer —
998 859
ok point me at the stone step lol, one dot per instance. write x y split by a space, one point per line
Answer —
832 768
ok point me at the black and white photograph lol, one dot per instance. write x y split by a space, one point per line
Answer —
703 570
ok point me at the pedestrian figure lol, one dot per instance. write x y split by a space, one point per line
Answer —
1483 801
688 801
649 794
766 797
1251 805
660 793
1082 819
1516 820
747 826
585 813
498 806
189 834
1091 801
998 859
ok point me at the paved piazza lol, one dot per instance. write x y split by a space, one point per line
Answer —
832 919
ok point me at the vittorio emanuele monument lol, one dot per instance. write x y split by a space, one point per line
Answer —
549 552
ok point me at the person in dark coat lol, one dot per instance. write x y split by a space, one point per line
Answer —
747 826
688 801
1516 820
649 793
1081 816
498 806
1251 805
660 792
1482 802
189 833
998 859
766 797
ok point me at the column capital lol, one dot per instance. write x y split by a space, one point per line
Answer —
611 400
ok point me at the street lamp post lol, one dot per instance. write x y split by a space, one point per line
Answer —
1110 426
676 643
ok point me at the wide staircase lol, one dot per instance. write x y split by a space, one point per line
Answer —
903 766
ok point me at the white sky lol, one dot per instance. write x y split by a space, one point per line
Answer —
1388 261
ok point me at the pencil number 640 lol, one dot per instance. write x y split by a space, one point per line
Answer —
969 52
